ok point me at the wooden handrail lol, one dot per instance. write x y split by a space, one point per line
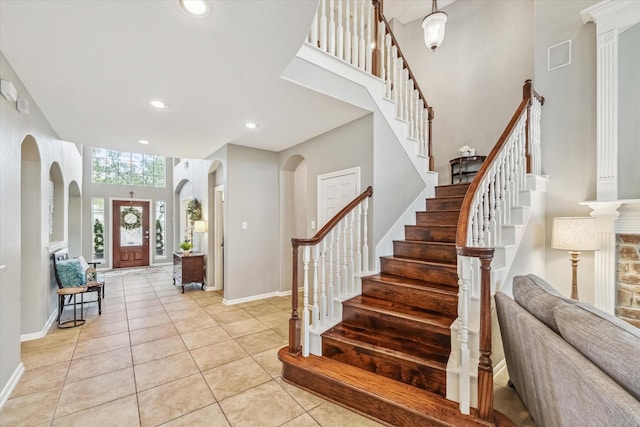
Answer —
294 321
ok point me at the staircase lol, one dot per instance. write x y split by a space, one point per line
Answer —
388 356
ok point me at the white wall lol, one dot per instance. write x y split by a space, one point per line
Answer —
629 114
15 127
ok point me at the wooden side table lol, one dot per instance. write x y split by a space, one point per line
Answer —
188 269
464 169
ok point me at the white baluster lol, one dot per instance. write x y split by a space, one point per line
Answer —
313 32
485 213
352 271
330 296
344 289
323 282
305 302
369 44
362 40
410 105
347 33
394 76
332 28
365 245
495 224
340 33
338 282
405 93
358 266
316 307
388 62
323 25
355 45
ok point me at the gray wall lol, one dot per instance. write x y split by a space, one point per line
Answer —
629 114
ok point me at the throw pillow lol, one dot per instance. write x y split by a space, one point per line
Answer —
610 343
539 298
70 273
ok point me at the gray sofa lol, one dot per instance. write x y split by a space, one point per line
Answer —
571 364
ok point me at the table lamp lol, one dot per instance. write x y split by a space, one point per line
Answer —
574 234
200 227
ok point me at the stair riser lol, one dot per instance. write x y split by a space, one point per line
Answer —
436 302
430 273
437 218
430 234
444 204
425 251
406 371
435 339
451 190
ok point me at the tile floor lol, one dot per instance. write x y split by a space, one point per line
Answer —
158 357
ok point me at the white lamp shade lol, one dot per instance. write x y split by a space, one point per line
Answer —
199 226
574 234
433 27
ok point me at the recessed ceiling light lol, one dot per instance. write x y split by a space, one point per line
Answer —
158 104
143 141
194 7
251 125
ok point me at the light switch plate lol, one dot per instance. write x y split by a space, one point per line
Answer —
244 225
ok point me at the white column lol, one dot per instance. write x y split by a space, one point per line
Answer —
604 293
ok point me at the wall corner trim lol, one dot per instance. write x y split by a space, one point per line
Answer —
11 384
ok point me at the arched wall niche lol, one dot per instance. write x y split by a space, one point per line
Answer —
293 212
183 193
75 219
56 203
32 302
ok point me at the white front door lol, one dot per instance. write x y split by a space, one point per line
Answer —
335 191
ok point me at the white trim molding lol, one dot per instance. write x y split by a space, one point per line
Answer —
11 384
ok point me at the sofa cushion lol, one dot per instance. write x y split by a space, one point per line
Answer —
70 273
539 298
610 343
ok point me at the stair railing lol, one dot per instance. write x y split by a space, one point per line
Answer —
357 32
485 209
332 263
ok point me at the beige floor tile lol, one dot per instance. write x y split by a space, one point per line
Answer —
40 379
191 313
169 299
95 391
244 327
261 341
210 415
269 361
99 364
265 405
329 414
147 296
148 321
47 356
305 399
185 304
217 354
30 410
218 308
204 337
195 324
235 377
96 330
250 303
101 345
164 370
261 309
113 307
153 333
120 412
284 303
303 420
148 351
231 316
276 319
282 330
508 402
103 318
172 400
134 313
55 338
142 303
139 290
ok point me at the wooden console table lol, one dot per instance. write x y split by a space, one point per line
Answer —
464 169
188 269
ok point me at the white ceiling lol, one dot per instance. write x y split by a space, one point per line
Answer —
409 10
93 66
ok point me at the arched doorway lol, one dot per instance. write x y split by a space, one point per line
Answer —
293 212
216 226
74 219
32 296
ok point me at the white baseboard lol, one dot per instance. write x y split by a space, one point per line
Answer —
251 298
43 331
11 384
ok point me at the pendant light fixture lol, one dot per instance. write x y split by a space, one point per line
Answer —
433 26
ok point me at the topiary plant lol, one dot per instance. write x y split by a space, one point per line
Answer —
159 238
194 210
98 238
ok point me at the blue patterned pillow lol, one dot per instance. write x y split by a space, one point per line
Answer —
70 273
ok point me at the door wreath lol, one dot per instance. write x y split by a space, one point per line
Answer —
130 219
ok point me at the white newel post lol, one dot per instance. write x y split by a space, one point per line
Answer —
464 267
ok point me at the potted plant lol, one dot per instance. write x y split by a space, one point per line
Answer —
98 239
186 247
159 238
194 210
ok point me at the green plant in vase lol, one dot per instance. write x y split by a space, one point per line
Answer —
98 239
186 247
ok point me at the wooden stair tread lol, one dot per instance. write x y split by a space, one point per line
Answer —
412 283
392 346
403 311
422 262
375 395
428 242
